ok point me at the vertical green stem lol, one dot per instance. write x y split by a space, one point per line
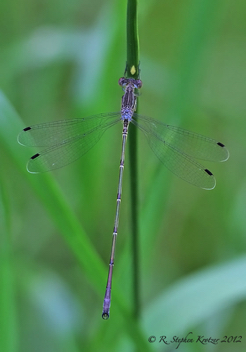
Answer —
132 71
132 40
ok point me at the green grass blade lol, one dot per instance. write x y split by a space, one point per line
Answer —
196 298
8 322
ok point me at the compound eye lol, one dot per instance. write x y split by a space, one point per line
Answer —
139 83
122 81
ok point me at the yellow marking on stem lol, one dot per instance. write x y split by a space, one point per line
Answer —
133 70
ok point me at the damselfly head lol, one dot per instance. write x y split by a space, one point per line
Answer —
136 83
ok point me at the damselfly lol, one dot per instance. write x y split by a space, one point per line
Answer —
67 140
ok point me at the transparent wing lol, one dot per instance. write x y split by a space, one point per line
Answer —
67 140
53 133
177 155
190 143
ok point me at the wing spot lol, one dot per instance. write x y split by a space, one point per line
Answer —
221 144
208 172
27 129
35 156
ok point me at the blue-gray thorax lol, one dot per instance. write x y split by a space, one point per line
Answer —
128 104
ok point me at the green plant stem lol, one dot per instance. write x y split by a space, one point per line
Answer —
132 40
132 71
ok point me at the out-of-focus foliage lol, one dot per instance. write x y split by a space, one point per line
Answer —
63 59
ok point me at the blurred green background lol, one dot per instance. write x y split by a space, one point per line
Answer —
63 59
